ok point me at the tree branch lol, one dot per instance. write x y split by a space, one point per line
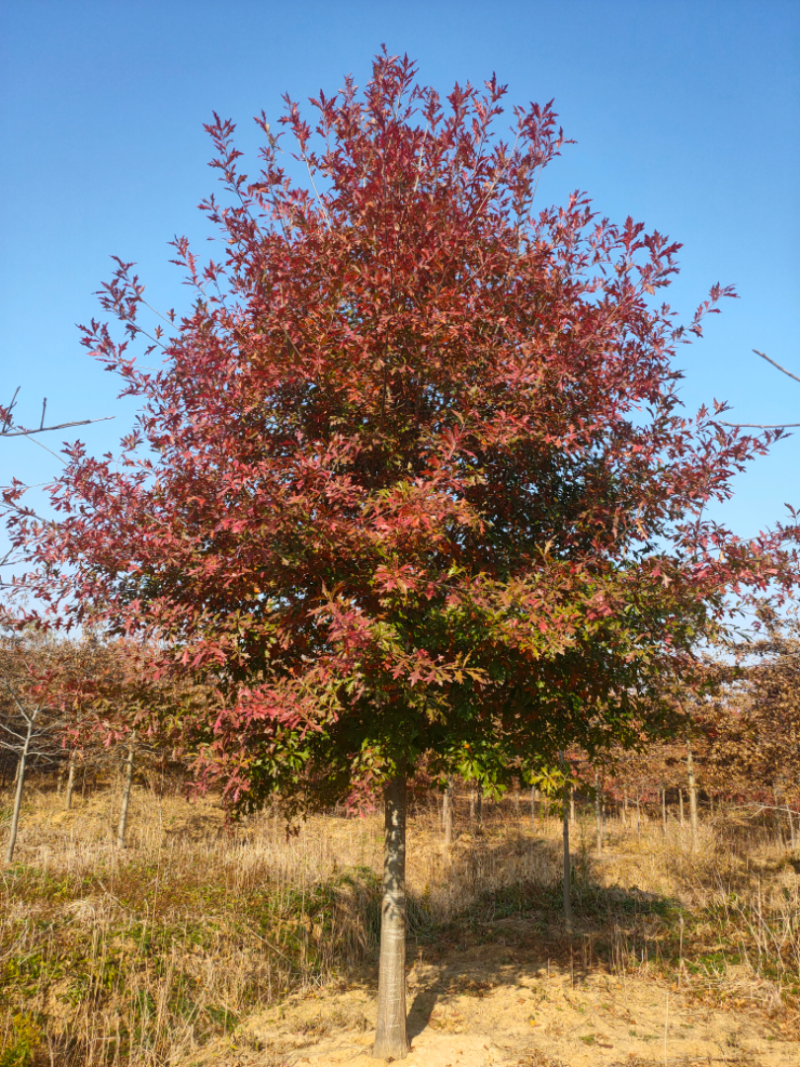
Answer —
20 432
767 426
783 370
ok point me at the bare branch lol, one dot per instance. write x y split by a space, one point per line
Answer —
783 370
773 425
20 432
762 425
9 429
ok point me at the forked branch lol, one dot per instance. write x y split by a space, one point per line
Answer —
8 428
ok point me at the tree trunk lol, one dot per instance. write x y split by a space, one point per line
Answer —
664 810
533 809
478 810
692 797
23 760
390 1036
126 793
567 800
70 782
778 828
680 806
638 820
447 813
475 809
598 812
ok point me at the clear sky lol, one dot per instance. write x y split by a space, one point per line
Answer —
686 116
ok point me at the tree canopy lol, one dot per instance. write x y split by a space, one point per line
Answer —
414 476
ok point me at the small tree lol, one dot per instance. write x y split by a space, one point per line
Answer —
31 726
414 481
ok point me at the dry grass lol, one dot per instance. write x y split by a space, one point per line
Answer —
143 956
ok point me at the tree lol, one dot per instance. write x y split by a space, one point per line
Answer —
414 480
31 726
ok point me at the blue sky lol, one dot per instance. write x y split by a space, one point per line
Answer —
686 116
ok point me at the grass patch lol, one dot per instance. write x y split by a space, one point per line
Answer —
142 956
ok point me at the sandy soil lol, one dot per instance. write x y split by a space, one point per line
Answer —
478 1008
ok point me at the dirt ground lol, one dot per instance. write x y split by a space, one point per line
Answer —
488 1007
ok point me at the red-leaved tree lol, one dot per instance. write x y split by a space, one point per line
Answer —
414 480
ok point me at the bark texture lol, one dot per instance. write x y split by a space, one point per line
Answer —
391 1038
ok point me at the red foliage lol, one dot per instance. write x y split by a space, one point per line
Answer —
415 477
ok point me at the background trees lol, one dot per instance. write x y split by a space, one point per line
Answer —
31 725
414 479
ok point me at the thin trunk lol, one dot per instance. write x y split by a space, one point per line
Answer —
475 809
638 821
778 829
533 809
792 840
598 813
391 1038
447 812
126 793
23 760
692 797
70 782
478 810
664 811
680 806
625 810
566 802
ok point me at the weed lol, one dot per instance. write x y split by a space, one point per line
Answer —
26 1037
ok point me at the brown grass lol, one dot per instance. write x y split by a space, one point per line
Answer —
146 956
